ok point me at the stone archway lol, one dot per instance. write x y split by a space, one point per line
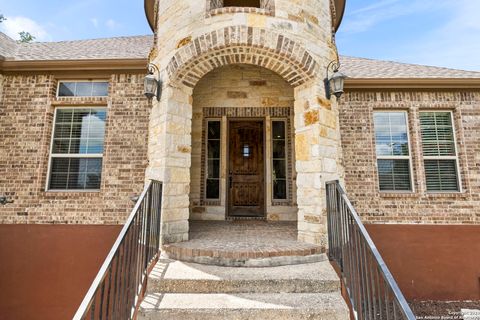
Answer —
241 45
315 122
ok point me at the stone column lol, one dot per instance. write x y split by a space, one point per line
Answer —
170 159
317 155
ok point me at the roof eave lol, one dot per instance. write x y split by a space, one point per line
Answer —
73 65
149 6
412 83
340 6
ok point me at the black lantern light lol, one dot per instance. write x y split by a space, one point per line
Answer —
152 83
334 84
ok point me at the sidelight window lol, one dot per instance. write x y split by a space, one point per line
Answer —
279 160
439 151
393 152
77 149
213 159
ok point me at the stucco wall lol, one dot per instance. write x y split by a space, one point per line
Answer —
236 86
27 112
361 177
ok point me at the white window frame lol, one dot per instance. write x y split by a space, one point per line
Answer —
287 189
80 80
71 155
409 157
455 158
219 120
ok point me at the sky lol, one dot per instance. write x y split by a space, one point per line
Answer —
432 32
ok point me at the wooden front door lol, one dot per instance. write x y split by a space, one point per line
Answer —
246 197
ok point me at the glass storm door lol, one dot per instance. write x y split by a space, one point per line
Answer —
246 196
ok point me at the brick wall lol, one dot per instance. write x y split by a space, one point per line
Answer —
361 179
26 116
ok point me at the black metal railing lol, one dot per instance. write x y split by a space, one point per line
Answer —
119 285
371 288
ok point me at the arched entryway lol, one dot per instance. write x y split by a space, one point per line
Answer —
174 155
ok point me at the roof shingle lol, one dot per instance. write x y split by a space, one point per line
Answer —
138 47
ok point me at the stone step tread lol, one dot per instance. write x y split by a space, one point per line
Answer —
245 306
167 269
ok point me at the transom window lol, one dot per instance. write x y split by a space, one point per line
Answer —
213 159
439 151
83 89
77 149
393 152
279 160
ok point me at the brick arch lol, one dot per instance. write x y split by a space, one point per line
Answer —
241 45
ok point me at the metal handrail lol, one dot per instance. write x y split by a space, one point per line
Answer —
372 289
116 290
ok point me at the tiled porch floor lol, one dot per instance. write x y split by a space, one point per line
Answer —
241 243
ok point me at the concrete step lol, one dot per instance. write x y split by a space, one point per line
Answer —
265 306
170 276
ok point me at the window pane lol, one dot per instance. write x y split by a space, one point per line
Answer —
84 89
278 129
214 130
279 149
437 134
213 169
60 145
75 173
441 175
64 116
394 175
279 169
214 149
280 189
391 134
213 189
66 89
100 89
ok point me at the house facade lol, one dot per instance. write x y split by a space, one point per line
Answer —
242 129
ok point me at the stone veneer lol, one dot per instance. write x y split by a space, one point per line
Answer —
26 120
296 43
361 178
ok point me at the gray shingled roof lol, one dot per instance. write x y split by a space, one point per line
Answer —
8 46
138 47
379 69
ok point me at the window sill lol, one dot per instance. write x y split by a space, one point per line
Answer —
451 195
399 194
80 101
72 192
226 10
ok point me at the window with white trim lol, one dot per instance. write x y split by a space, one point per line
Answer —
77 149
439 151
82 89
393 151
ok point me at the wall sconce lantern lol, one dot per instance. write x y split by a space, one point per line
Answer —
152 83
334 84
